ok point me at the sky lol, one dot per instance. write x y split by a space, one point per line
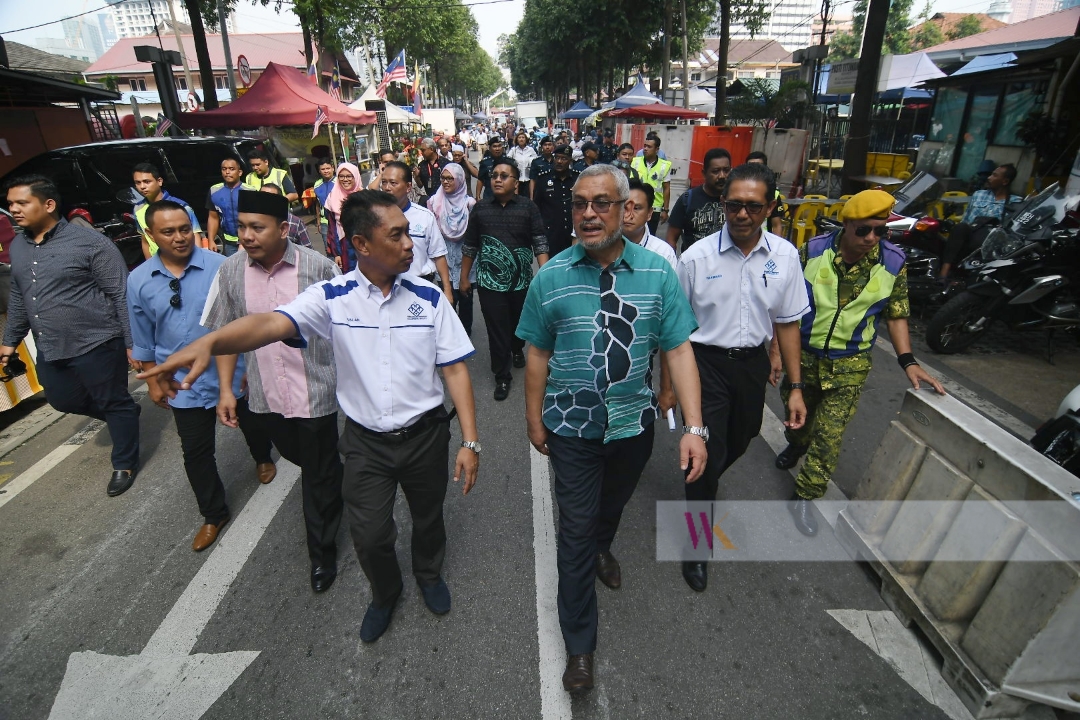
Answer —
494 19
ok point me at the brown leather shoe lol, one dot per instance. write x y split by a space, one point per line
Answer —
266 472
207 535
579 673
608 570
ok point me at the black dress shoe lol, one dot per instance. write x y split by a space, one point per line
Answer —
578 675
608 570
789 456
502 390
696 575
322 577
436 596
121 480
519 359
377 620
803 512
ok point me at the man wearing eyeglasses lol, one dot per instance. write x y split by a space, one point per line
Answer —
594 318
856 278
166 297
505 232
746 287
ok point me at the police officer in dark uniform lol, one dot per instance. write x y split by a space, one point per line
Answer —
608 151
553 193
483 172
542 164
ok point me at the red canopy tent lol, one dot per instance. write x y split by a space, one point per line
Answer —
282 95
657 111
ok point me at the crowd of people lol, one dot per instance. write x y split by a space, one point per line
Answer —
273 337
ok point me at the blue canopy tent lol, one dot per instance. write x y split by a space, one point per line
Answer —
635 96
579 111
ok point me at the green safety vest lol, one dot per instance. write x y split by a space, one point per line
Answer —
275 177
655 176
834 332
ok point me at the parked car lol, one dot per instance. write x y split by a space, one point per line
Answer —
91 176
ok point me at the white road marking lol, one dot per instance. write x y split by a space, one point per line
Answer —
164 681
11 489
970 397
554 701
26 428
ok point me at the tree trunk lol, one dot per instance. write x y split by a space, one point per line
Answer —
685 61
721 62
307 40
862 105
206 70
665 63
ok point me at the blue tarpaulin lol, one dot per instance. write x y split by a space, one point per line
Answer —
986 62
579 111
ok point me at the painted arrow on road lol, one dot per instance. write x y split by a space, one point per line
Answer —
164 680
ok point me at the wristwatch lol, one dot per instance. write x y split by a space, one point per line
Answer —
474 446
699 430
797 386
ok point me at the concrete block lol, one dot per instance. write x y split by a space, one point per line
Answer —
954 586
1035 585
916 533
887 480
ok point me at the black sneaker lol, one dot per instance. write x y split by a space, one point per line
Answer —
519 360
502 390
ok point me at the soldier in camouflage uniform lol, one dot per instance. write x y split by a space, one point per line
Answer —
855 280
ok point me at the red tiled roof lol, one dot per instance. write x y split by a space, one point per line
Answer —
1049 28
946 21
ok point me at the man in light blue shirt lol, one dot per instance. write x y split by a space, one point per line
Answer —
165 299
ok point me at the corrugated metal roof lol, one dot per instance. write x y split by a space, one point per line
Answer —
1030 34
30 59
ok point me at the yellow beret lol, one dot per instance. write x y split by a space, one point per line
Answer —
868 204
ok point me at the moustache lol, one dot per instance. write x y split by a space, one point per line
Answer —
592 226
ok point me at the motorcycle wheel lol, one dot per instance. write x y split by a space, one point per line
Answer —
949 330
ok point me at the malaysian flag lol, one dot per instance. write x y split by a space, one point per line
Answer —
395 72
335 83
163 125
313 73
417 103
320 118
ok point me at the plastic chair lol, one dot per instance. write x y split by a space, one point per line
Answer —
955 217
837 208
904 175
936 209
801 231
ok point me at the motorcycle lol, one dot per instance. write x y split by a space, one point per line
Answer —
1059 437
1026 278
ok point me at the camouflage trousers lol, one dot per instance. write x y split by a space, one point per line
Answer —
831 395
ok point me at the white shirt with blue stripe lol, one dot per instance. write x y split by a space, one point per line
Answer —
387 349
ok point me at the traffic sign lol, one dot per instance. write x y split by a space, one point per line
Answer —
192 101
244 69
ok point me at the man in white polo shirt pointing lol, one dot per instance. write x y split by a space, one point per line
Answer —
391 332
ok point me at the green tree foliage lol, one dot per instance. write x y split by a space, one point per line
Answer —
967 25
845 45
928 33
763 104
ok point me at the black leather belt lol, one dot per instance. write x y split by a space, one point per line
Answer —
730 353
432 417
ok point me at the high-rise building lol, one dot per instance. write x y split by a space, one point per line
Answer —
107 28
84 33
136 18
790 23
1027 9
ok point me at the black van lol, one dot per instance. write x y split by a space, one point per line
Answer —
90 176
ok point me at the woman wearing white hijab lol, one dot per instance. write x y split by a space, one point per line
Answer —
451 205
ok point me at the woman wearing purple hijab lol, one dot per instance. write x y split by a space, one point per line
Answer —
451 205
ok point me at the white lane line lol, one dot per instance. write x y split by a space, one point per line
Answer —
970 397
554 701
22 430
188 617
11 489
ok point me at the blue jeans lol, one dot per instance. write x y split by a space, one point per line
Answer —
229 248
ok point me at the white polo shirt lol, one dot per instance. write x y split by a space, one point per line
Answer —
387 348
737 297
428 242
660 247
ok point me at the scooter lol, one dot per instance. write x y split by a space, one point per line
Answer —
1059 437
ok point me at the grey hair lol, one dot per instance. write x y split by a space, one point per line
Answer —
622 184
428 143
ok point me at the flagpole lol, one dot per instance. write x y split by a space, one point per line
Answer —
333 150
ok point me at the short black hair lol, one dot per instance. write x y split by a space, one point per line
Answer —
358 212
405 170
41 187
653 136
161 206
625 145
509 163
754 172
1010 171
758 155
714 154
548 140
145 167
326 161
230 158
636 184
381 153
273 187
259 154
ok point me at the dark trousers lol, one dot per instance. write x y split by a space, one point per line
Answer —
732 403
311 444
523 187
197 428
95 384
654 221
593 483
463 304
374 466
502 312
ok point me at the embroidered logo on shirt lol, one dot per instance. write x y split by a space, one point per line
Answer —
770 268
416 310
717 276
